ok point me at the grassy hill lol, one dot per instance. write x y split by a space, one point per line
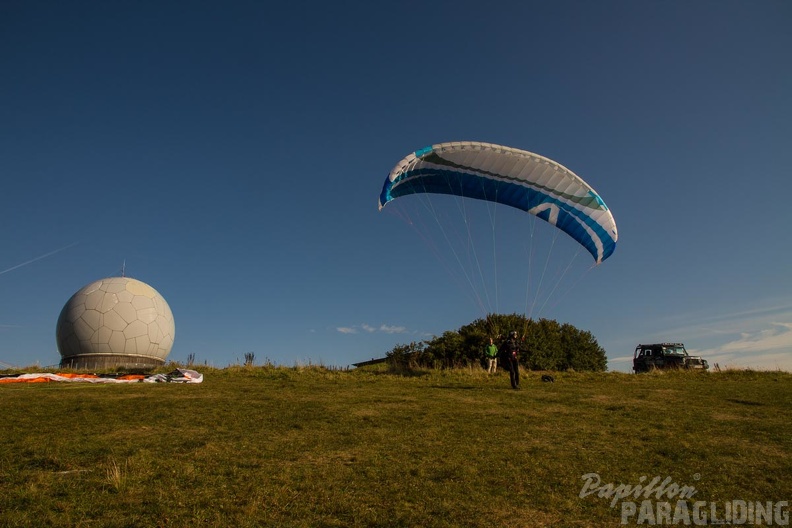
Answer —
309 447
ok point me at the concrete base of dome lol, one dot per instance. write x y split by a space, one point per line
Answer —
110 361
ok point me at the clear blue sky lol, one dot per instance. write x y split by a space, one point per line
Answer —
232 153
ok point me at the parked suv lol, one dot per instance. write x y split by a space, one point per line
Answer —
665 356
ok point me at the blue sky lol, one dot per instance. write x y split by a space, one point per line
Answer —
231 154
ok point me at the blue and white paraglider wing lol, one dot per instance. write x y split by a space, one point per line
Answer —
513 177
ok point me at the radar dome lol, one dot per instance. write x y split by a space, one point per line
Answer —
115 322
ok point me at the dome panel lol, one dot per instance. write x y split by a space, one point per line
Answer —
117 341
70 346
100 348
147 315
91 288
166 344
131 346
166 323
125 296
82 330
114 321
154 333
64 330
141 288
145 346
126 311
111 286
86 346
94 299
75 311
108 302
102 335
140 302
91 318
135 329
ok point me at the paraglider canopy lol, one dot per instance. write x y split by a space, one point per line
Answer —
513 177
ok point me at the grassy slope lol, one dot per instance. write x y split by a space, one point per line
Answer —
309 447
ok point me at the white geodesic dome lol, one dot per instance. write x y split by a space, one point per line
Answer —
115 322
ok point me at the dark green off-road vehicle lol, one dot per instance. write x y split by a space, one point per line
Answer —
665 356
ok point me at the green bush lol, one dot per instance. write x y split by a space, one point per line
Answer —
546 345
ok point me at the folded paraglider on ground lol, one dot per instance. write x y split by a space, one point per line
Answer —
176 376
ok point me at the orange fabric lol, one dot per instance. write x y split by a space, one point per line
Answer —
68 375
29 380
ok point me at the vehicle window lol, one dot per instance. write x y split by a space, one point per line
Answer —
674 350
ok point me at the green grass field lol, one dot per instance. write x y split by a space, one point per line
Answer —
310 447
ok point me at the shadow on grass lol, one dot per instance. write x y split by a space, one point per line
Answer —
744 402
390 370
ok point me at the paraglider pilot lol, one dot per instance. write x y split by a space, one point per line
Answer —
511 348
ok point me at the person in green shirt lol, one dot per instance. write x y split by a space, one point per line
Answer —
491 352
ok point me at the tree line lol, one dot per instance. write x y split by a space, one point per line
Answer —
546 345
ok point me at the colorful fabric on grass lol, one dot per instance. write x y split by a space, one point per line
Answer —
177 376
